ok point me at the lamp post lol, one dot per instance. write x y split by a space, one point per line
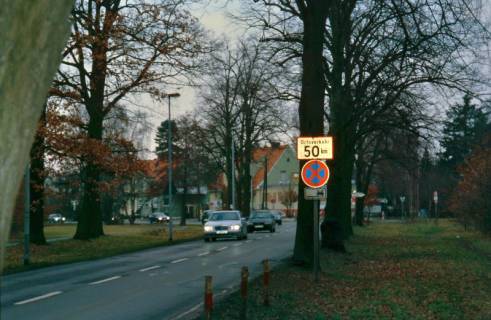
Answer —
402 198
232 159
169 154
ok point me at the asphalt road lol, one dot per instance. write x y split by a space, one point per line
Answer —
162 283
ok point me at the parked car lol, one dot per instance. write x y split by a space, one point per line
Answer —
158 217
56 218
278 217
225 224
261 220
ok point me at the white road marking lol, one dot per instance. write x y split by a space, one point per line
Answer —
222 248
185 313
179 260
238 244
149 268
259 238
105 280
248 241
44 296
204 253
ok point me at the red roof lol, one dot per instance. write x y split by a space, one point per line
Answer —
273 154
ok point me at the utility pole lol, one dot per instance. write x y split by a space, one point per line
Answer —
169 154
232 158
265 184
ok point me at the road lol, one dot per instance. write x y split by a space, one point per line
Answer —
160 283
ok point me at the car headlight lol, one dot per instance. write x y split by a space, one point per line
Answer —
235 227
208 228
160 218
63 219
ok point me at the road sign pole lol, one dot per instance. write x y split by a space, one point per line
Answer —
316 240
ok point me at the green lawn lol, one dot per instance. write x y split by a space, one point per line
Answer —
392 271
118 239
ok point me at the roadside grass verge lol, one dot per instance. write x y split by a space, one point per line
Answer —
393 271
118 239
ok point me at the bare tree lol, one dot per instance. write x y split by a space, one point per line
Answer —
374 54
118 48
240 105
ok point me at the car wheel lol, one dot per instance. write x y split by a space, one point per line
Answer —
213 239
245 236
207 240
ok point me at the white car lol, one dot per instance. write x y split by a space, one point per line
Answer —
56 218
225 224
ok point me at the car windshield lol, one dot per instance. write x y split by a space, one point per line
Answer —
261 215
220 216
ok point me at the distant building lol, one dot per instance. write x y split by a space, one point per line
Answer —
278 165
275 178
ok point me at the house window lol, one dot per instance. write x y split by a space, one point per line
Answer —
283 177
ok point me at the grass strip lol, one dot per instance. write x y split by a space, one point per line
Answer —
118 239
393 271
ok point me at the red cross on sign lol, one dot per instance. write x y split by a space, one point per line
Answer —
315 173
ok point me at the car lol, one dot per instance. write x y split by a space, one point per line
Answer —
205 215
158 217
277 217
56 218
225 224
261 220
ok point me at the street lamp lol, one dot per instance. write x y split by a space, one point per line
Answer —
169 153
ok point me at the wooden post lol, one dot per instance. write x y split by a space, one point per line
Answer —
208 297
266 282
244 279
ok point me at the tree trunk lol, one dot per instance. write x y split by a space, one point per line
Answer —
184 195
336 226
36 225
359 202
245 179
90 214
228 168
32 38
311 113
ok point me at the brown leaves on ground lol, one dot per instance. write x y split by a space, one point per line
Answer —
402 271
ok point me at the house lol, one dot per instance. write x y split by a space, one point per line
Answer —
275 178
150 194
274 184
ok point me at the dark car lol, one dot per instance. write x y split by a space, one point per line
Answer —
277 217
261 220
158 217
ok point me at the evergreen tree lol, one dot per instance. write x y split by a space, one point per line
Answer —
161 139
464 128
